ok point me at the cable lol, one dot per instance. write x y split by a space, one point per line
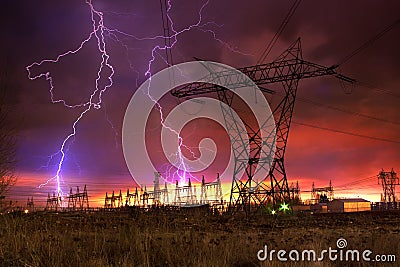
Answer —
369 42
354 113
376 89
279 31
356 182
347 133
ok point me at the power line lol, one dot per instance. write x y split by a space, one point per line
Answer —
279 31
377 89
348 133
356 182
354 113
369 42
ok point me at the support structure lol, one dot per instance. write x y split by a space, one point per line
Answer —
214 188
158 196
144 196
54 202
184 194
177 197
165 194
322 194
30 205
156 189
79 200
389 180
295 193
114 201
187 191
132 198
287 70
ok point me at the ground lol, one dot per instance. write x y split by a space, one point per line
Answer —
175 239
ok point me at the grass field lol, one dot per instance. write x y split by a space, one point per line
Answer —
162 239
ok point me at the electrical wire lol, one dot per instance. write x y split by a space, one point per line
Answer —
285 21
354 113
377 89
347 133
369 42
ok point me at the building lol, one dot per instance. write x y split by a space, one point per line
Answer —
319 208
349 205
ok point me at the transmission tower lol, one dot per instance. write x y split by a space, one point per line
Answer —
165 194
78 200
214 189
132 198
295 193
288 69
114 201
389 181
322 194
156 188
54 202
177 198
30 204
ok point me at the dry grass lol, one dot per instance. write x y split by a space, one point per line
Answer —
127 239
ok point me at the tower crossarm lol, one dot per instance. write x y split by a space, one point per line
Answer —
274 72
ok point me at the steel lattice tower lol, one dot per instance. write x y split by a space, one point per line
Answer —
389 181
287 70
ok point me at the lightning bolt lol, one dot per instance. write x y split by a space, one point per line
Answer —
105 70
95 99
185 171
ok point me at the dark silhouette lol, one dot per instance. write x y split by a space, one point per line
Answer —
8 140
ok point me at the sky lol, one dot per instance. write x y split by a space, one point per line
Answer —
229 32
